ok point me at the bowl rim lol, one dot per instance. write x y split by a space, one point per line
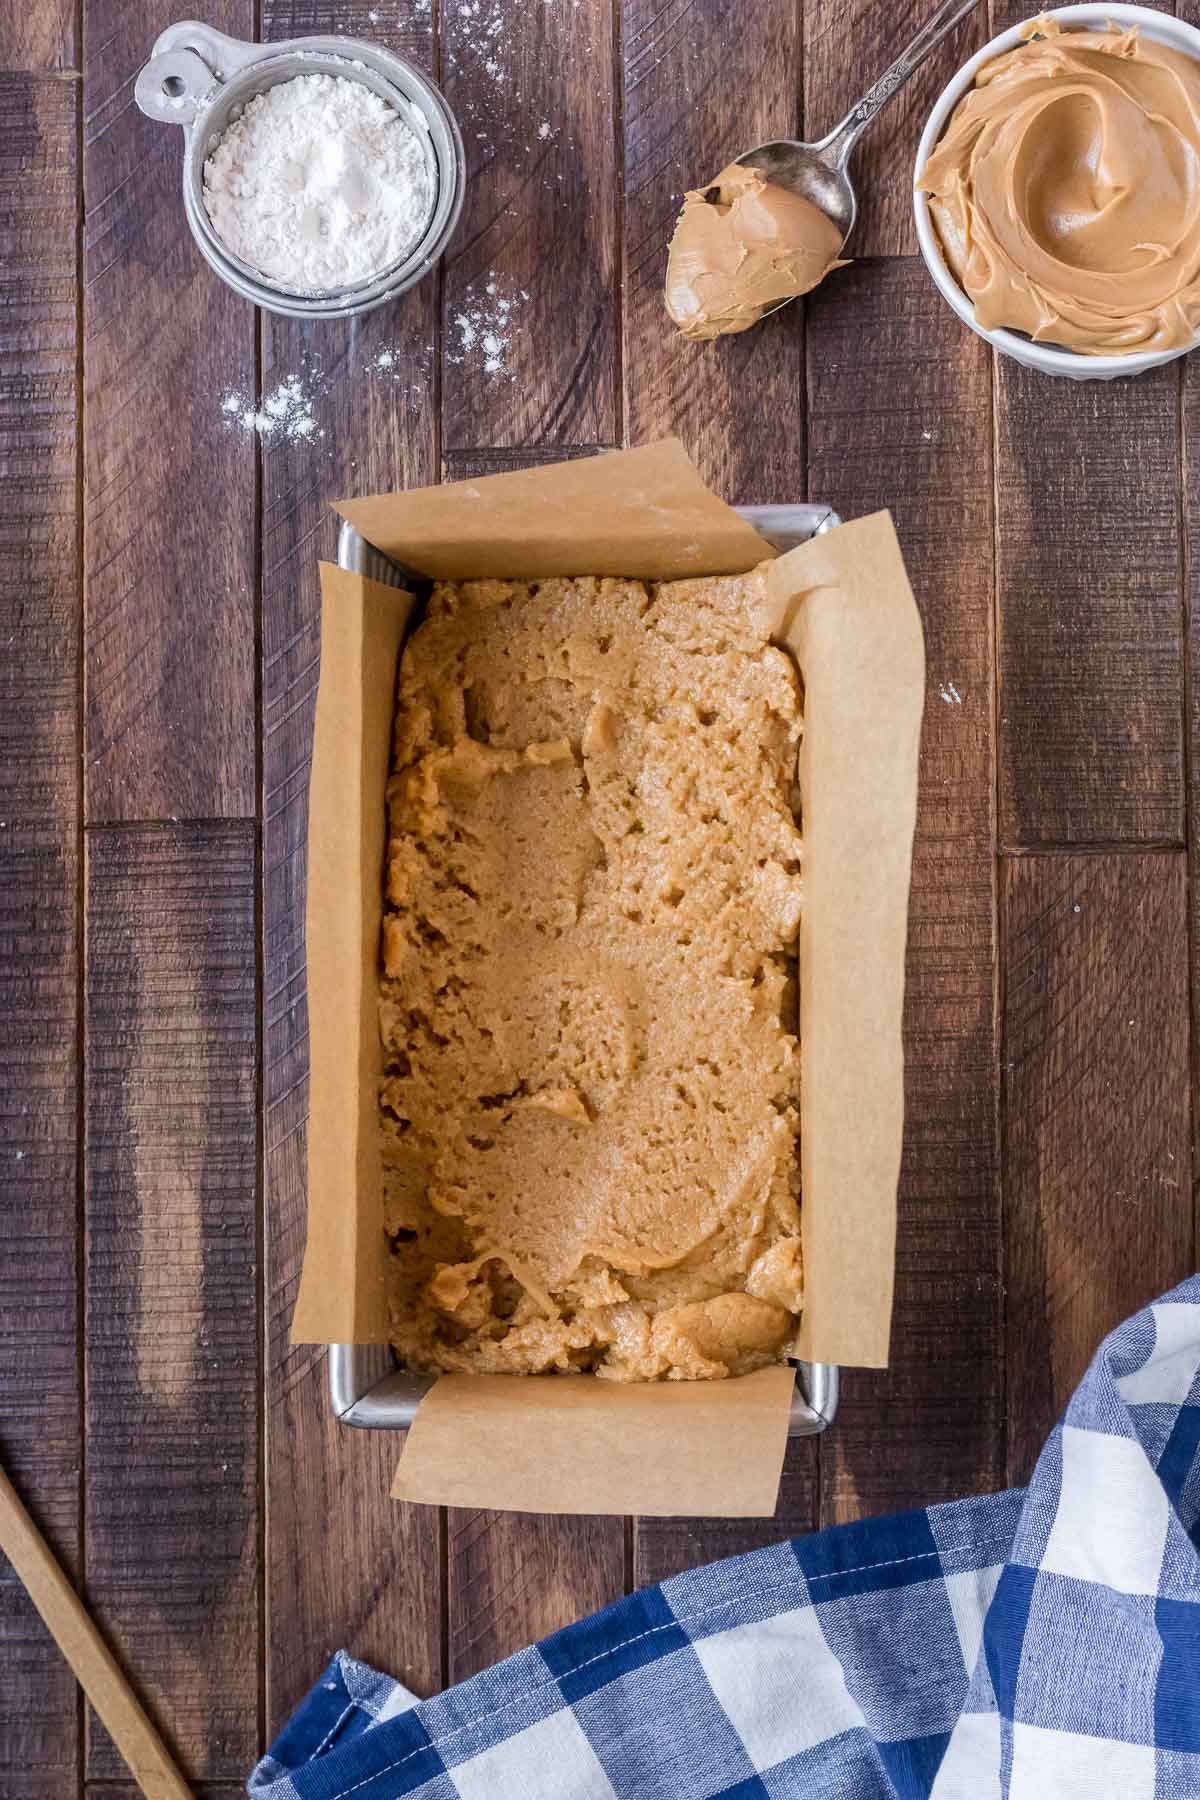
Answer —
1051 359
409 89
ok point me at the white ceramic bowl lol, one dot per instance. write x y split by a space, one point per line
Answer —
1050 361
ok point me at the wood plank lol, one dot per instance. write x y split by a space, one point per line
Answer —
1191 520
169 481
1013 12
172 1338
467 465
897 385
530 278
347 1566
703 80
1090 610
665 1547
39 906
404 28
514 1577
125 1790
368 1571
1097 1114
752 385
74 1630
846 48
41 38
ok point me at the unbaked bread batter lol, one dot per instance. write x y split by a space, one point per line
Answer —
590 1105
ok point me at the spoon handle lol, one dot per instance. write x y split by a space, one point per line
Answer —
843 137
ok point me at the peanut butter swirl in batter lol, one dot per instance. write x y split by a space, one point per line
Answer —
1066 191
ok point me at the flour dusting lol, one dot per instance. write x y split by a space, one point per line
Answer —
286 412
482 329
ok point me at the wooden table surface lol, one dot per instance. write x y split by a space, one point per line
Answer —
158 614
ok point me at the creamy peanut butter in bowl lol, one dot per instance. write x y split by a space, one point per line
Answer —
1058 191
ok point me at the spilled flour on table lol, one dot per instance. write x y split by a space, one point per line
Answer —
409 371
286 412
481 330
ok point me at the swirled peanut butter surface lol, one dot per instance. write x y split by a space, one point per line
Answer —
743 244
590 1104
1066 191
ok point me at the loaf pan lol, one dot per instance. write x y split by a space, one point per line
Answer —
367 1387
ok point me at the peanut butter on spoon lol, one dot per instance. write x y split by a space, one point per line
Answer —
742 245
770 226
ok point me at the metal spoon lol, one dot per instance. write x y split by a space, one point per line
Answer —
819 172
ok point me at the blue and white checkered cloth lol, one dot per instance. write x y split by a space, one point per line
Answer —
1035 1644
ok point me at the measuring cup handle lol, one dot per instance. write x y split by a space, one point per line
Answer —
843 137
189 62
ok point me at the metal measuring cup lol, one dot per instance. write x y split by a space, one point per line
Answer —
200 79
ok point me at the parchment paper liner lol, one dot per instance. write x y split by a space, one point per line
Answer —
845 610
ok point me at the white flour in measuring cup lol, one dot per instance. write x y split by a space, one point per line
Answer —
319 184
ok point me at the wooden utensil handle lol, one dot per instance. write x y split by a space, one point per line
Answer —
90 1658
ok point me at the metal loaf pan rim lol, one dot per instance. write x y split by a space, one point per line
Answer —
367 1388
